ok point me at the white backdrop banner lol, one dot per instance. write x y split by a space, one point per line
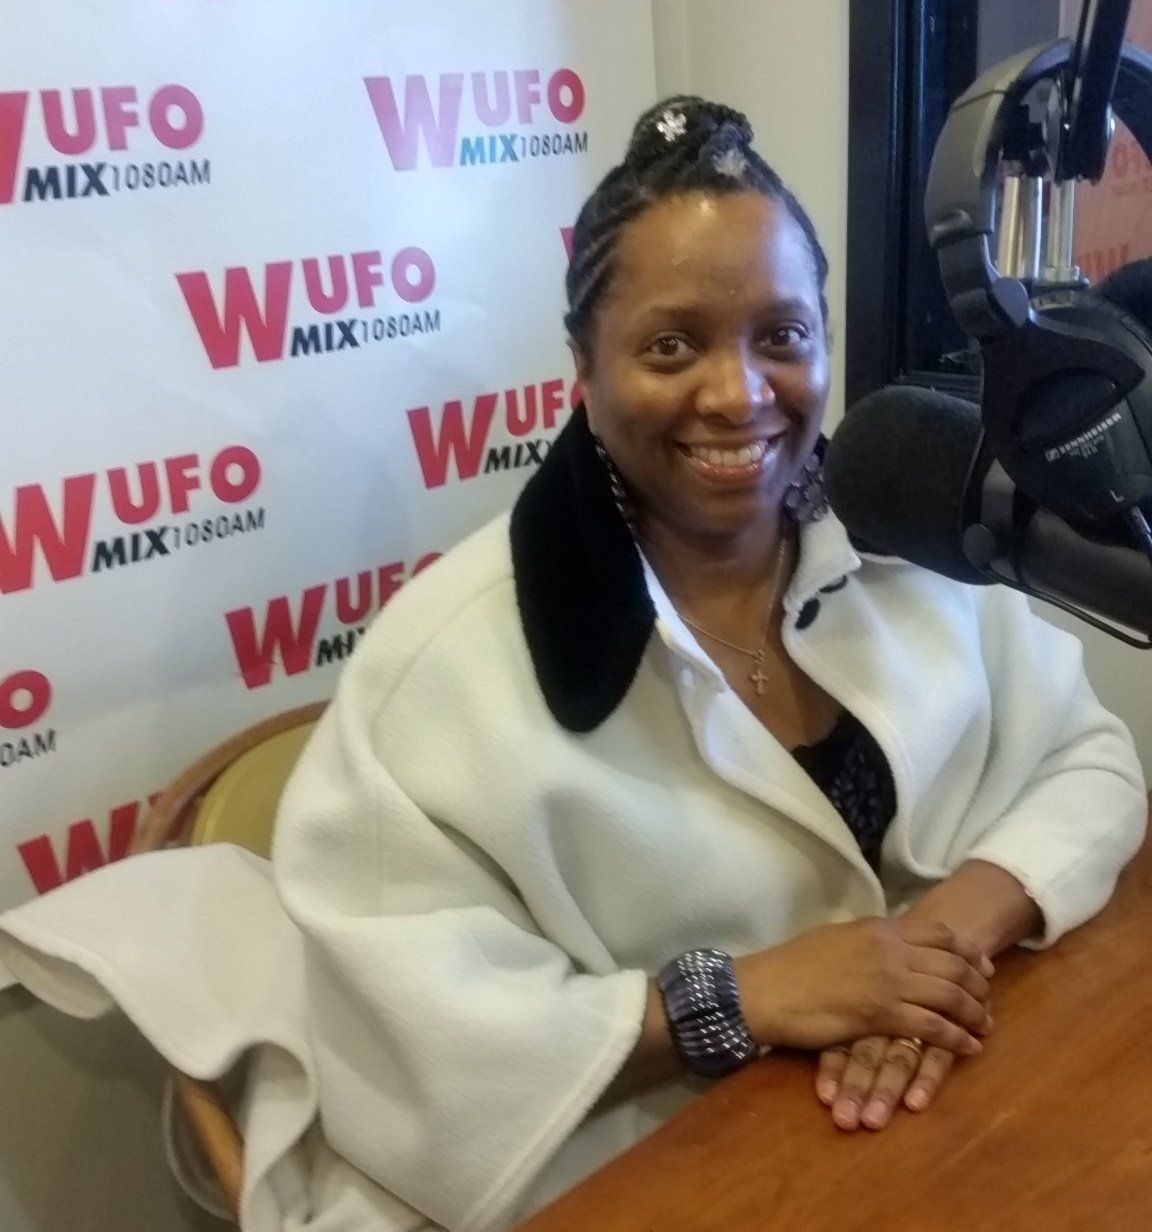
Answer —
281 290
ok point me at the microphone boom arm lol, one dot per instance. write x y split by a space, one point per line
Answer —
1088 86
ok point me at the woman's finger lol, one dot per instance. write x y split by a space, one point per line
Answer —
833 1063
939 936
953 968
902 1064
933 1028
929 1079
864 1063
949 1000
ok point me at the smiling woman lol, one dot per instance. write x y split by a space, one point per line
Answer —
658 772
707 371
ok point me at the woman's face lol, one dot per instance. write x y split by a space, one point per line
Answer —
709 365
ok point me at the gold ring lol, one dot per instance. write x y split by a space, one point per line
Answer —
912 1043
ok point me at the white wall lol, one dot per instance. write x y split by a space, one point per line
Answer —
785 63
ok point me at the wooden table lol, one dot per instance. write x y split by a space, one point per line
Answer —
1050 1130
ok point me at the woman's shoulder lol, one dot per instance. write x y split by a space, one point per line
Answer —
471 583
479 563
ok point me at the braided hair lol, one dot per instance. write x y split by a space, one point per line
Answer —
683 144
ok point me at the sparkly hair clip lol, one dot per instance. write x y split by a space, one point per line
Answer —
731 163
672 124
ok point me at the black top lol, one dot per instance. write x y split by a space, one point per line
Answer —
850 769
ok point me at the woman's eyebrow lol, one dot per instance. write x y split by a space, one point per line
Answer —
671 310
660 312
797 304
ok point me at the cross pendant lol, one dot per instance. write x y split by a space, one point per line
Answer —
758 678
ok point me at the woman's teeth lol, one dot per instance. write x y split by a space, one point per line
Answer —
749 455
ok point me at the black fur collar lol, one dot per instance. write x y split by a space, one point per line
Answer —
585 608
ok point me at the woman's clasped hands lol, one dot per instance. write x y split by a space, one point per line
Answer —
890 1004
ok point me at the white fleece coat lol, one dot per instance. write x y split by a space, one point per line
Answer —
484 894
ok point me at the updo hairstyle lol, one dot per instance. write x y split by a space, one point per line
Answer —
684 144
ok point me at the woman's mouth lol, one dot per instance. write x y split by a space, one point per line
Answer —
729 464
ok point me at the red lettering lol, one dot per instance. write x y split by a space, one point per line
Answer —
13 108
118 119
552 397
83 853
563 81
282 640
290 642
464 444
60 138
402 137
174 116
520 424
492 114
235 457
183 477
389 579
347 612
235 474
366 274
220 330
180 99
318 297
15 712
413 291
527 93
122 504
34 526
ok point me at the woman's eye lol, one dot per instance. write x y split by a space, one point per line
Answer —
787 336
669 346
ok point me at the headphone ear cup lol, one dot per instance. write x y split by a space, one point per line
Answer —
1121 317
1058 403
1129 286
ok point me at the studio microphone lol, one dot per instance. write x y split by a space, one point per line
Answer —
908 475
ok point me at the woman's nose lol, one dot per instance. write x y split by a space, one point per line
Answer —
734 387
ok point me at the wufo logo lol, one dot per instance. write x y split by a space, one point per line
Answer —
104 127
479 118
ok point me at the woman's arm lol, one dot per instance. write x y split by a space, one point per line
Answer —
837 982
652 1061
1077 814
864 1084
983 903
1046 864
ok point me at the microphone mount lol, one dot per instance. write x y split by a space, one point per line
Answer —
994 545
1088 84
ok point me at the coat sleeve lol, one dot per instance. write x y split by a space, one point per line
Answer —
1079 815
456 1047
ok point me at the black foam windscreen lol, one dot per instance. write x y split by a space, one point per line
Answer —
1130 288
897 471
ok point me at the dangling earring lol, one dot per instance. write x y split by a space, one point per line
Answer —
805 499
616 483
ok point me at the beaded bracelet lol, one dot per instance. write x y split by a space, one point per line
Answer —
702 1006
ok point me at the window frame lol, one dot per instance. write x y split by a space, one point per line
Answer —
895 110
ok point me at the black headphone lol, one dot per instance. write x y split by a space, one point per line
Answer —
1067 400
